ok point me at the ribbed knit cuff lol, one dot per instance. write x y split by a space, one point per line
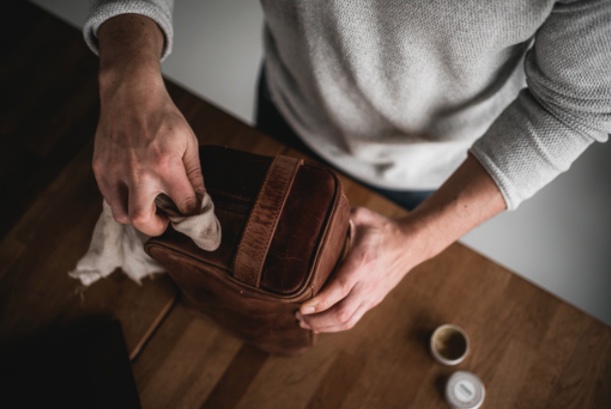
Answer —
101 10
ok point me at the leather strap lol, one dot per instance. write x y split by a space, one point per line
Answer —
263 220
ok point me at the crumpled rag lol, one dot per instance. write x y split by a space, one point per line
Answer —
114 245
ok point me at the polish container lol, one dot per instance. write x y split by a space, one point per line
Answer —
449 344
464 390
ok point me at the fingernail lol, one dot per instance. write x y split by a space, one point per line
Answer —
308 309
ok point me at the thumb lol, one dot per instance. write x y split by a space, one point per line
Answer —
193 169
335 291
338 287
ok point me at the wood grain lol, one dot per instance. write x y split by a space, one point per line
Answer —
531 349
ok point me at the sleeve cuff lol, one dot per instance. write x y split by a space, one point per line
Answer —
159 11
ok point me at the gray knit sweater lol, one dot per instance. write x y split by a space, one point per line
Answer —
396 92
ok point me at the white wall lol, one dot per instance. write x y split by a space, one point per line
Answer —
560 239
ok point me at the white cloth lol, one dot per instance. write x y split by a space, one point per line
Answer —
117 246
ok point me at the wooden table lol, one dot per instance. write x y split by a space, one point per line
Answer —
530 349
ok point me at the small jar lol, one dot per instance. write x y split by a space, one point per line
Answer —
449 344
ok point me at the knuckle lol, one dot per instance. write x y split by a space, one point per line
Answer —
358 212
188 205
161 162
343 315
345 283
348 325
139 218
354 319
322 303
156 231
118 213
148 229
194 171
167 163
120 217
196 177
98 166
376 301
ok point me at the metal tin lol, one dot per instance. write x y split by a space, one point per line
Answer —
465 390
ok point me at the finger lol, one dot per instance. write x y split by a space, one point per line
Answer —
335 290
179 188
343 316
143 211
346 325
118 207
339 286
116 197
193 167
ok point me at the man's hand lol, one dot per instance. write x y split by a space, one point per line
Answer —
144 147
384 250
381 254
143 144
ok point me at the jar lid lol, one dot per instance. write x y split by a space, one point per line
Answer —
464 390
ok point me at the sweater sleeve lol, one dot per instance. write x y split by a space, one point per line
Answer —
101 10
565 107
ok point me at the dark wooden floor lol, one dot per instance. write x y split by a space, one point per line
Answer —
531 349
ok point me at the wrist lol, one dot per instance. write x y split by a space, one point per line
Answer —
468 198
419 233
130 52
133 79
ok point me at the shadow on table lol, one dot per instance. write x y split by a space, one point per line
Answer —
81 365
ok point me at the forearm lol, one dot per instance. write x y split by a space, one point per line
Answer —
143 144
468 198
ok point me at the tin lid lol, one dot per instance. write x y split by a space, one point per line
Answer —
464 390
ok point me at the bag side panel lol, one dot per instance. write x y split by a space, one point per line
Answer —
264 321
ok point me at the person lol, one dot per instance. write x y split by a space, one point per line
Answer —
483 102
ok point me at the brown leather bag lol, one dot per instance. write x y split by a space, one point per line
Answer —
285 227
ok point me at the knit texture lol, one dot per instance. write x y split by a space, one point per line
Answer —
102 10
395 93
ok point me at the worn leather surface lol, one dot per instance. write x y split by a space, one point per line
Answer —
258 235
303 208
